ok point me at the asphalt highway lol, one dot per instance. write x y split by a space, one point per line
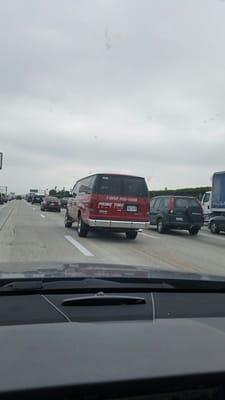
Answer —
29 236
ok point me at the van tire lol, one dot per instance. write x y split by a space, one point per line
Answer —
82 228
67 221
193 231
213 227
131 235
160 226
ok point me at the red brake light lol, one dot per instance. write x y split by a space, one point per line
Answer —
172 203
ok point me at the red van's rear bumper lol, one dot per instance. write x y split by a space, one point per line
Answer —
106 223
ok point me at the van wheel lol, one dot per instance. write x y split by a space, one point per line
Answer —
193 231
131 235
213 227
82 228
67 221
160 226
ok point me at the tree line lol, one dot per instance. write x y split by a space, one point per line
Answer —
195 192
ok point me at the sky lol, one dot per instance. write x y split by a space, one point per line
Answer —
132 86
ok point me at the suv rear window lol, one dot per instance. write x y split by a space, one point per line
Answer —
185 203
51 199
122 185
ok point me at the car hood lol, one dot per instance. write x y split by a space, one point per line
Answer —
92 270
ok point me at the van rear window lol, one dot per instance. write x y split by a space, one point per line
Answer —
122 186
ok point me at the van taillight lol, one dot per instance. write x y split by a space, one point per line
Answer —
172 204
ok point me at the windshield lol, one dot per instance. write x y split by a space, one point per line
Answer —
206 197
112 126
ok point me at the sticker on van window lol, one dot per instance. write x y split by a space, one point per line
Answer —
122 199
118 205
104 204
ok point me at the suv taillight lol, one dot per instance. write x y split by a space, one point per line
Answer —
172 204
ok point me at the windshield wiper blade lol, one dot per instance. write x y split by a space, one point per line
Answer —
57 284
60 284
100 299
22 285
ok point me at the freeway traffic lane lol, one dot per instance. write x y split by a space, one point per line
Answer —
32 236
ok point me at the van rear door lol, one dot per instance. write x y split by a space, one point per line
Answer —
122 197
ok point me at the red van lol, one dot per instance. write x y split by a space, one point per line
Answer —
109 201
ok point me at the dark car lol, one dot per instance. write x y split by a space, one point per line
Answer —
4 198
37 199
217 224
50 204
1 200
64 202
29 197
18 197
176 212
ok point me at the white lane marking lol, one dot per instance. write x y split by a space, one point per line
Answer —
149 236
42 216
79 246
153 307
33 208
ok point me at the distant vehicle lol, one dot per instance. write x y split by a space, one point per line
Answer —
5 198
50 203
37 199
176 212
217 207
206 204
29 197
1 200
18 197
64 202
118 203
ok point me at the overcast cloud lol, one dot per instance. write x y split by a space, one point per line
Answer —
134 86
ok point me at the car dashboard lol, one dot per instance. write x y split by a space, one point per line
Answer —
171 346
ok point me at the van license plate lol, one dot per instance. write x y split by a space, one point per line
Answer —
132 208
179 219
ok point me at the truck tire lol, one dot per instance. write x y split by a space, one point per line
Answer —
160 226
67 221
213 227
82 228
194 231
131 235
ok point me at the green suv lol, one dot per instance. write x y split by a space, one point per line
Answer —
176 212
